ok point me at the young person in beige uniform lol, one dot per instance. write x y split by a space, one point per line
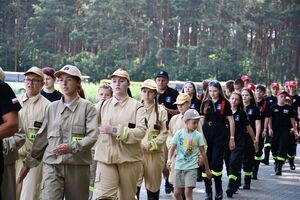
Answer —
183 102
32 116
154 141
64 142
122 125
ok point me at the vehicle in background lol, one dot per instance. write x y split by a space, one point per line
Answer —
15 80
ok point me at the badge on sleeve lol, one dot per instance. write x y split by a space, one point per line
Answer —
250 112
219 106
237 118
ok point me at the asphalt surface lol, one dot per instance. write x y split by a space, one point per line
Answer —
268 186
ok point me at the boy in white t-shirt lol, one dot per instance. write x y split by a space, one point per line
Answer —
189 143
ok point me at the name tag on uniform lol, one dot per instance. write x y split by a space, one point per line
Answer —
168 99
76 138
219 106
31 134
237 118
285 111
276 110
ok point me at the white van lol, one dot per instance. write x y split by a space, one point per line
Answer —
15 80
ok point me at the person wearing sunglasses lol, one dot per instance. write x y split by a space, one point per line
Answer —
32 115
216 110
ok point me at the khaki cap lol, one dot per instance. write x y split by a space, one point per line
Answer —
182 98
120 73
35 70
191 114
150 84
68 69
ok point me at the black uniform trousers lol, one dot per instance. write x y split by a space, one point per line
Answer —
280 143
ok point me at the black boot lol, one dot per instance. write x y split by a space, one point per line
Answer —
218 187
279 168
247 180
208 189
231 188
255 169
238 182
267 155
153 195
138 193
275 165
292 164
168 186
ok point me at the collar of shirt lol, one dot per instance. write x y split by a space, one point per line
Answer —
150 108
121 102
73 105
33 99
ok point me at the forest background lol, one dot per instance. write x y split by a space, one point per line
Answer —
191 39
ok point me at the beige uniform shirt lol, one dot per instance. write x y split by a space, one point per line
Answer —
177 123
156 138
127 116
31 116
75 124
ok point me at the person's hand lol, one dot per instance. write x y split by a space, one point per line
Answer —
169 164
255 144
264 133
271 133
23 173
106 129
231 144
208 173
62 149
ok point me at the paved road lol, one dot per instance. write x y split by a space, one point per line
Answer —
268 186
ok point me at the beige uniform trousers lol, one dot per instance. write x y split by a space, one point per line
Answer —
29 189
8 187
117 178
153 165
69 182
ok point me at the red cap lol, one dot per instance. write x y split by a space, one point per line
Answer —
292 84
287 84
245 78
282 92
274 85
251 86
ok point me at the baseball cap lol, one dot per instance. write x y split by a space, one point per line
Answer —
287 84
121 73
49 71
191 114
182 98
293 84
282 92
245 78
35 70
162 73
251 86
150 84
68 69
274 85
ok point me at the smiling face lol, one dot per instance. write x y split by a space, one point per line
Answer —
119 85
214 92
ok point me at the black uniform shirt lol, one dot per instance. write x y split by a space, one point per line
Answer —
214 110
295 102
195 104
168 98
264 111
8 100
253 115
56 95
281 116
271 100
241 121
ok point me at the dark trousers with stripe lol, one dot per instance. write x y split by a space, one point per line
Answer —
258 155
215 135
292 146
280 143
248 159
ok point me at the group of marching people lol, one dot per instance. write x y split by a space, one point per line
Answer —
67 147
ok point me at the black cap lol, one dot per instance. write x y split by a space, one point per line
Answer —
162 73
